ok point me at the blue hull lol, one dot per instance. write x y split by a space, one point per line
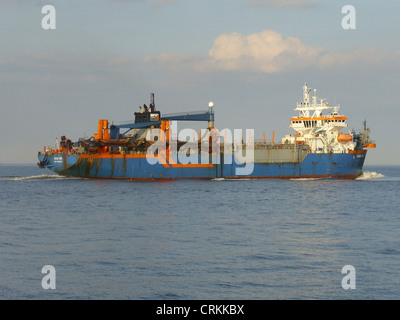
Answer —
314 165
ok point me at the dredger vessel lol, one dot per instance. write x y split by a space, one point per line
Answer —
149 148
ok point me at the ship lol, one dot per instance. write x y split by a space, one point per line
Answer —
149 147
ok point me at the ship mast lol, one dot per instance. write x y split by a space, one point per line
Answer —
320 131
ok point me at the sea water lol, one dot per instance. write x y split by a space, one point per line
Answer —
212 239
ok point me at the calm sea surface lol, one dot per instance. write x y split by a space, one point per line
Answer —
247 239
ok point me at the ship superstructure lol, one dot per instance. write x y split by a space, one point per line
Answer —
319 126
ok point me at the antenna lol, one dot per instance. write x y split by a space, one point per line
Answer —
152 100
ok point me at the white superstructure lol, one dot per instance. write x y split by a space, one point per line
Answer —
321 132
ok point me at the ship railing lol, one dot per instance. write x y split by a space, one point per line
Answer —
178 114
127 122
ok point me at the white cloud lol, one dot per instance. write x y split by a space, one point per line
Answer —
268 52
50 70
168 58
265 51
364 56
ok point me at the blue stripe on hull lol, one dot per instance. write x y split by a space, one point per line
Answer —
340 165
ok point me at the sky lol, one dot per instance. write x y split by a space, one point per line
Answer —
250 57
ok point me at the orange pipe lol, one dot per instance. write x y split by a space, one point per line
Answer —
164 137
106 131
99 130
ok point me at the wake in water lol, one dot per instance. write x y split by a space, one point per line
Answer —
305 179
39 177
364 176
370 175
231 179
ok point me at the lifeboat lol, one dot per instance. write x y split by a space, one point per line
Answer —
342 137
